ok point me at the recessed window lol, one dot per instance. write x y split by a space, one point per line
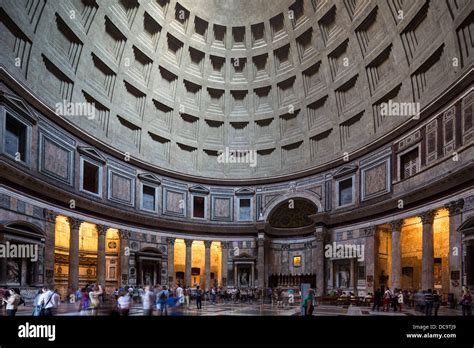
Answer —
409 164
198 207
15 138
90 177
244 209
148 197
345 192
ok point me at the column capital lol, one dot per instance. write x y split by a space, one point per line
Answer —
170 240
320 235
369 231
396 225
285 247
102 229
188 242
455 207
308 245
124 234
427 217
260 242
207 244
49 215
74 223
225 245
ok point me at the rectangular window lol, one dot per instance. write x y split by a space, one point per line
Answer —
198 207
409 164
148 197
361 272
15 138
90 177
345 192
244 209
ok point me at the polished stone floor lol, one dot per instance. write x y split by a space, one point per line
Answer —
246 309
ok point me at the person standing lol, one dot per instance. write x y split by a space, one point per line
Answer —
436 302
466 302
400 300
377 300
187 292
387 296
56 301
123 303
180 295
198 298
429 303
12 303
94 297
308 303
46 302
148 300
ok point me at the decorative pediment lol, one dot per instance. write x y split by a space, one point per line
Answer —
344 170
18 105
199 189
91 153
244 192
150 178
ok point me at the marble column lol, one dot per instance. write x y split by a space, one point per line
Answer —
189 260
235 275
207 261
225 257
354 275
74 226
101 232
307 264
318 262
171 273
24 272
371 254
50 230
260 261
124 256
427 261
396 254
455 245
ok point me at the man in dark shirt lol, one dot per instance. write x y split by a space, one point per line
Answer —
377 299
198 298
429 302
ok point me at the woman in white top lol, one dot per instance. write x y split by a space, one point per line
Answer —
123 304
12 303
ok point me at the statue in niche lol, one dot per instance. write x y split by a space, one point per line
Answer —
244 278
344 277
13 272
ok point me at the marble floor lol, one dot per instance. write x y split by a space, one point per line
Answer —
246 309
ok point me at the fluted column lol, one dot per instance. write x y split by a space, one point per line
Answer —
396 254
261 260
371 254
427 261
101 231
124 256
74 226
455 247
207 255
50 229
307 266
318 261
189 260
171 274
225 256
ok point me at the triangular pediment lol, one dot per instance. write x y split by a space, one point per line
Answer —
199 189
150 178
244 192
344 170
18 105
91 153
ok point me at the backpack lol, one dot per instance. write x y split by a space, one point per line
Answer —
163 296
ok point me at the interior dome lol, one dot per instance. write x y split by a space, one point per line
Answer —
296 86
